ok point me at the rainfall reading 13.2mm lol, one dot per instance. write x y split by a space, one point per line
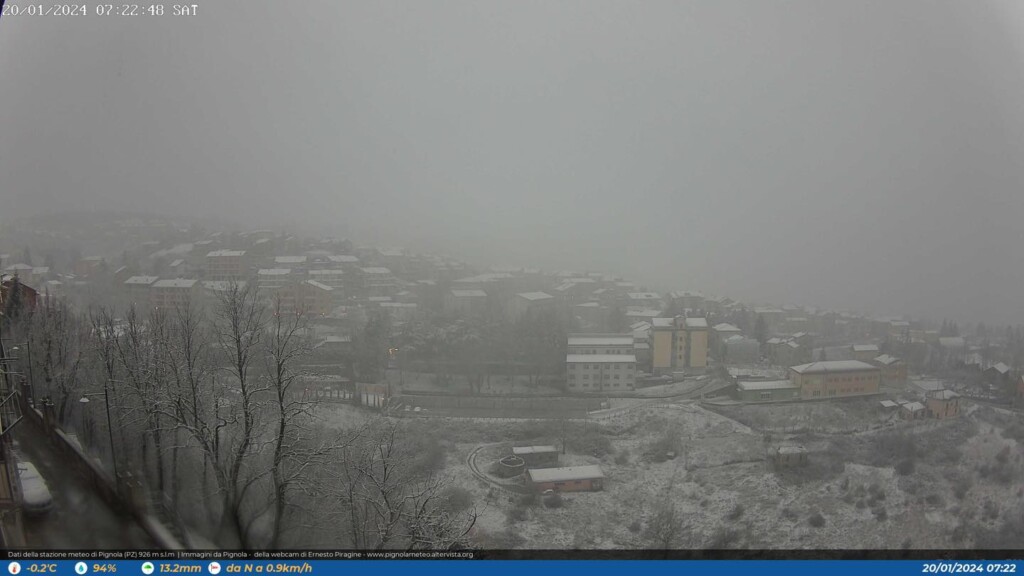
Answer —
23 9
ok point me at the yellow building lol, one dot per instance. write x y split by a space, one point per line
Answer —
838 378
679 343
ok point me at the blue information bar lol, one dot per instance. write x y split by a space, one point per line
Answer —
89 566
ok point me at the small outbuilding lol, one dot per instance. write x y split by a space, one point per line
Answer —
943 404
569 479
913 411
537 456
789 455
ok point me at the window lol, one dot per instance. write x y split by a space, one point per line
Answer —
766 395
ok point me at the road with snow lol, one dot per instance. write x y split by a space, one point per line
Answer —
80 518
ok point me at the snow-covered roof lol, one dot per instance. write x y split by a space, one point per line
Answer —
327 272
913 406
886 359
662 322
889 404
696 322
1001 368
175 283
944 395
223 253
726 327
274 271
520 450
865 348
833 366
343 258
599 358
600 340
766 385
141 280
290 259
319 285
376 270
535 296
221 285
643 296
565 474
469 293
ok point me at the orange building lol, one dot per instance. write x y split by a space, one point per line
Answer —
837 378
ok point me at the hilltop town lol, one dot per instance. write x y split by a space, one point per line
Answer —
567 409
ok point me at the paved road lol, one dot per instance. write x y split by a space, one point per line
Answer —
80 518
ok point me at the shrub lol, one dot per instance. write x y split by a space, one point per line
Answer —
933 500
789 514
880 514
724 538
634 527
527 499
517 514
1004 455
961 487
553 500
991 509
457 499
905 467
622 458
816 520
735 514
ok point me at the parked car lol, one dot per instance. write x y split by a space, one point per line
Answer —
35 494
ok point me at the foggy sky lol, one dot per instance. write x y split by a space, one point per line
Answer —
863 155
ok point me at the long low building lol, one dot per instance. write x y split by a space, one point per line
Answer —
767 391
569 479
600 372
837 378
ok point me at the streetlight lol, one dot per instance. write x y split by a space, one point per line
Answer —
110 428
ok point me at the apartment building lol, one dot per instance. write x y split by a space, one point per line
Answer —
273 278
307 296
333 277
176 293
597 373
228 265
679 343
528 303
465 302
137 289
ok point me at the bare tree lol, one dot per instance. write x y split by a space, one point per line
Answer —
384 501
665 529
239 323
286 345
61 337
